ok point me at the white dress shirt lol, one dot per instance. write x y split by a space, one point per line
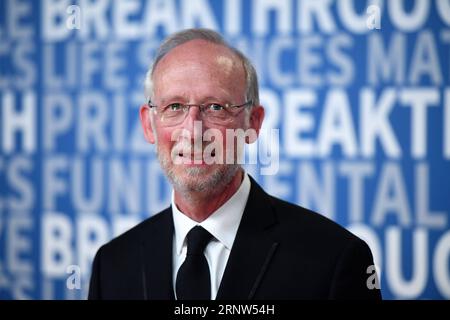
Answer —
222 224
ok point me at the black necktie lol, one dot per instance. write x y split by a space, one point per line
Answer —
193 279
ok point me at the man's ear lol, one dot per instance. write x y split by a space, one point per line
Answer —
145 116
255 122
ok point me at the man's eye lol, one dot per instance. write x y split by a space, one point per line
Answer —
215 107
174 107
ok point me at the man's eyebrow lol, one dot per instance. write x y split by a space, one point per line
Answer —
184 99
214 99
178 98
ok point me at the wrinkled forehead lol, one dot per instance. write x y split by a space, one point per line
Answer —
199 61
201 52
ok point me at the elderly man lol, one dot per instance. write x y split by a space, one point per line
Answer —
222 237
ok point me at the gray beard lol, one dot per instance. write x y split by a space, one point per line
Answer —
208 185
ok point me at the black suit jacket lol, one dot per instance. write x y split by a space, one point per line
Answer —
281 251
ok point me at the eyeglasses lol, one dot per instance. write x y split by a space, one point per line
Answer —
214 113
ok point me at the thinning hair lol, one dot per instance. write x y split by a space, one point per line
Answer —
181 37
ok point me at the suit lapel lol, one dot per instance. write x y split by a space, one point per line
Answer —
252 250
157 258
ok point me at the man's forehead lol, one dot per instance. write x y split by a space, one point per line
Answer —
201 50
199 61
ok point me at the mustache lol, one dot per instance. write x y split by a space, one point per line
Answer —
185 147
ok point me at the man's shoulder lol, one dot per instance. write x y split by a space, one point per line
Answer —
143 230
305 223
302 224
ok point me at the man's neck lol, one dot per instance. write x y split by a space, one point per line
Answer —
199 207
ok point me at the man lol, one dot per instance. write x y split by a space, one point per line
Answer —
222 237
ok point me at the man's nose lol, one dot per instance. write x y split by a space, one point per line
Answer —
193 122
193 114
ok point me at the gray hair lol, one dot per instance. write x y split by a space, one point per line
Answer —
181 37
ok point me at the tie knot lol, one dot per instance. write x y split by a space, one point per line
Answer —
197 239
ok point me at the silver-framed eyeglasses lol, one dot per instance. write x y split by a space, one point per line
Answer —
215 113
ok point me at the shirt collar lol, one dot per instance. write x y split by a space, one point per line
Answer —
222 223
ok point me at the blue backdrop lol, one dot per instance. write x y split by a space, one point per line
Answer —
359 91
